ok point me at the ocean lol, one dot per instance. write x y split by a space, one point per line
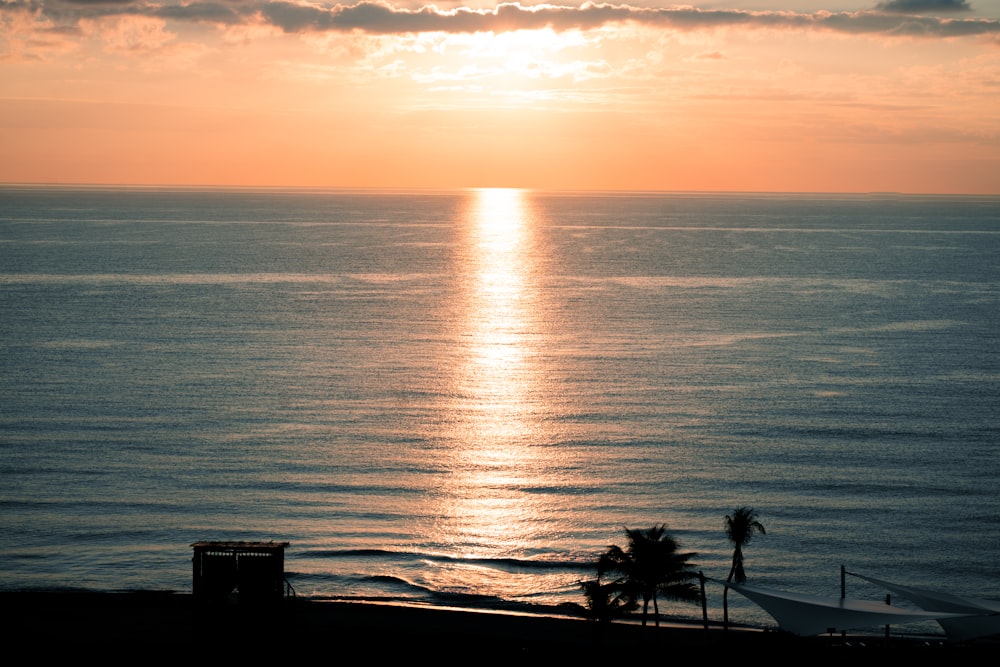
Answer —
461 398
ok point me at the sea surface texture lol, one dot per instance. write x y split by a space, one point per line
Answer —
462 398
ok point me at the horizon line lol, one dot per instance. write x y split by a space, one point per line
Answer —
459 188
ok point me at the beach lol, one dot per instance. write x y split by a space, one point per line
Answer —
176 626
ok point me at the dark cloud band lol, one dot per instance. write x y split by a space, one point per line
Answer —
924 6
379 18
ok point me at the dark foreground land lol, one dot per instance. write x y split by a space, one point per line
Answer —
159 626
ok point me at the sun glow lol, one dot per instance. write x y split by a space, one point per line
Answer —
533 53
512 68
500 225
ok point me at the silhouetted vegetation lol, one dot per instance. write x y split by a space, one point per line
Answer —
605 601
650 566
740 526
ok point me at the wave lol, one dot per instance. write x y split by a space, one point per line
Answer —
507 564
393 589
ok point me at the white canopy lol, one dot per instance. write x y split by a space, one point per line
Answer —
808 615
981 618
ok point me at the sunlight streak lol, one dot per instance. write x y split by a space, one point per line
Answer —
496 411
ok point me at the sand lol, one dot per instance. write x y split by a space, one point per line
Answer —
172 626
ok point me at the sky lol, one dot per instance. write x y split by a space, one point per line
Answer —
724 95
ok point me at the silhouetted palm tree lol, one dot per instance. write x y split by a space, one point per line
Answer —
649 566
606 601
741 526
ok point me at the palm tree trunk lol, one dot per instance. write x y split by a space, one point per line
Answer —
737 554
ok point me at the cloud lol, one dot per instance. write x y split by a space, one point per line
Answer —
379 18
99 2
924 6
131 34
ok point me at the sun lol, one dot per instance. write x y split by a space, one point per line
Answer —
517 67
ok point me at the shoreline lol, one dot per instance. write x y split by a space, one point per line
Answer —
177 624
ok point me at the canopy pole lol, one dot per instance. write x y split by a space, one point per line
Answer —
704 603
888 600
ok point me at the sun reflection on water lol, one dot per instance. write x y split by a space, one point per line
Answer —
488 509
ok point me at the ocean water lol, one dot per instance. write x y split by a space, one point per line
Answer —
461 398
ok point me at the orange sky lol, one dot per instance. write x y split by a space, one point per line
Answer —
750 96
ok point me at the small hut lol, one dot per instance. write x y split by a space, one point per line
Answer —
254 570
